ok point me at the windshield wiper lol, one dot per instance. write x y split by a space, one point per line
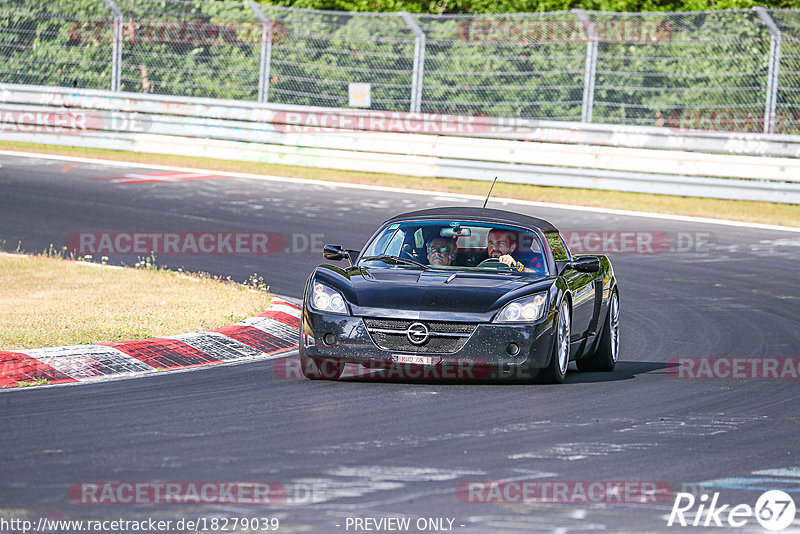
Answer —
396 259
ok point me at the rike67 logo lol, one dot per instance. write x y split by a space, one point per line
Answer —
774 510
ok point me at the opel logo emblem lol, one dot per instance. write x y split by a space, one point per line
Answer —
417 333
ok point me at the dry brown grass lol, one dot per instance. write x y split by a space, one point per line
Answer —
48 302
737 210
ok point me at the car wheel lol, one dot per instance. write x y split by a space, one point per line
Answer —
321 369
605 357
556 370
318 368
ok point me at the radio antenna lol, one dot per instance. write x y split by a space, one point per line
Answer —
490 192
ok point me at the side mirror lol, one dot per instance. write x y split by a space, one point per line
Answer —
352 255
587 264
334 252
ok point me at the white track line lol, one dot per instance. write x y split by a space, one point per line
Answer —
627 213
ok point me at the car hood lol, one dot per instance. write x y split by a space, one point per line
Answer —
414 293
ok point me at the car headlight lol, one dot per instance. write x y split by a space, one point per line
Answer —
325 299
523 310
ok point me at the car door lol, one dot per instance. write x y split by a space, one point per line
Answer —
581 287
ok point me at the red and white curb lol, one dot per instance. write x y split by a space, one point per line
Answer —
265 336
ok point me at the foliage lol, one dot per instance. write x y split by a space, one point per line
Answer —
528 6
693 69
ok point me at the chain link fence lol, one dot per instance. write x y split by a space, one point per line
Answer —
504 65
38 45
731 70
686 70
787 119
316 55
208 49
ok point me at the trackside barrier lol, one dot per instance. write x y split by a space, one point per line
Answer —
742 166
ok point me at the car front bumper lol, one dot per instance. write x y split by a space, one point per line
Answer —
346 339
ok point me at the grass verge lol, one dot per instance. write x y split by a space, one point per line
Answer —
737 210
49 302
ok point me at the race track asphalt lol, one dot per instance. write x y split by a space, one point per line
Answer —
362 448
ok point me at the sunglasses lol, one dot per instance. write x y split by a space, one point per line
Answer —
442 249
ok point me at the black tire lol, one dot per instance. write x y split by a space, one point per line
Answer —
320 369
607 352
556 370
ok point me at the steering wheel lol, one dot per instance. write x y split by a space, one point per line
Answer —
493 262
407 252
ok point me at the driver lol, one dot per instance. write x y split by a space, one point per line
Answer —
441 251
501 244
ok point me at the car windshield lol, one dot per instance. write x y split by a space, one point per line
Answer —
456 246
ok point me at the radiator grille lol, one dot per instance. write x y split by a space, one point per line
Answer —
445 337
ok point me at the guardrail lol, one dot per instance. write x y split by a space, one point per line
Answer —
622 158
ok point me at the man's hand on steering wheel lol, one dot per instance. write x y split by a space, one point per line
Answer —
506 260
511 262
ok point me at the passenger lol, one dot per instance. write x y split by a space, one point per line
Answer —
502 244
441 251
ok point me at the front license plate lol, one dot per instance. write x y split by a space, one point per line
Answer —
414 359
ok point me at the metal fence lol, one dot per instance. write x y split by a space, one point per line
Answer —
731 70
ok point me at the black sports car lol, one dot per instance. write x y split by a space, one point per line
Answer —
479 292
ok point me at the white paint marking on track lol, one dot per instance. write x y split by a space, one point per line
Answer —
90 264
83 362
784 472
271 327
422 192
285 308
